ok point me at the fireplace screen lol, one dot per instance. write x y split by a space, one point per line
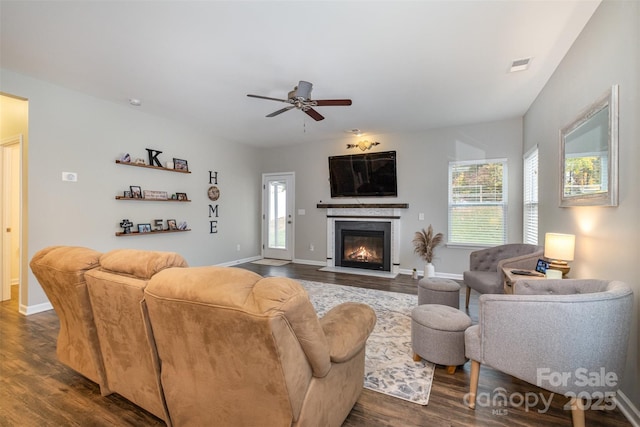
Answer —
363 245
363 248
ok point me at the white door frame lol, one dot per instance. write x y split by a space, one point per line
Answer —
285 254
5 213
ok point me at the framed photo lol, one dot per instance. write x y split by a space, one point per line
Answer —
155 195
127 194
182 196
136 192
144 228
172 224
180 165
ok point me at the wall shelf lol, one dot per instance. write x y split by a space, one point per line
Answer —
151 200
137 233
362 205
151 167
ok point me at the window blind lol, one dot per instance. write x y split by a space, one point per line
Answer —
478 202
530 198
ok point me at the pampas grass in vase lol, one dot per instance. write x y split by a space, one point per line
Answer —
424 243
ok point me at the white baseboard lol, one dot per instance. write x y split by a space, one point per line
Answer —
28 310
628 409
309 262
452 276
239 261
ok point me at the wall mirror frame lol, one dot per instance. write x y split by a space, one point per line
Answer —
589 155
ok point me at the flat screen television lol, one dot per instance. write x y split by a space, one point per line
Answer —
363 175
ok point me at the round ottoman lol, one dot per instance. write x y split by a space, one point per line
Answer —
432 290
437 335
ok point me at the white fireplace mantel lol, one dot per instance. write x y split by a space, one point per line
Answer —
365 212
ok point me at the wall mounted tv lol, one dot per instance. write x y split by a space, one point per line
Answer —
363 175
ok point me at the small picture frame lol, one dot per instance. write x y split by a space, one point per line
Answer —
144 228
182 197
155 195
127 194
136 192
542 266
172 224
180 165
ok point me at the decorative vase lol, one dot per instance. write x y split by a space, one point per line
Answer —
429 270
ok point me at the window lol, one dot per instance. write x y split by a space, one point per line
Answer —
478 202
530 198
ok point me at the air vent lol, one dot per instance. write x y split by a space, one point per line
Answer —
520 65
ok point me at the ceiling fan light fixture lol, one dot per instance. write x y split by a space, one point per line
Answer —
304 90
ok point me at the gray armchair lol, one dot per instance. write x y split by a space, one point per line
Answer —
485 266
551 327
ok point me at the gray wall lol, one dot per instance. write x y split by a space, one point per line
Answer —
72 132
607 238
422 164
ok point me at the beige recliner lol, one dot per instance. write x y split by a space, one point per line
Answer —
60 270
116 290
241 350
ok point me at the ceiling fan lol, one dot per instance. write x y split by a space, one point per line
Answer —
300 98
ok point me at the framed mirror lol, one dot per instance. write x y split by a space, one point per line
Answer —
589 155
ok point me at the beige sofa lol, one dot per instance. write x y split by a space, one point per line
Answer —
205 345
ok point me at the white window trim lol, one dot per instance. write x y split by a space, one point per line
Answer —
505 193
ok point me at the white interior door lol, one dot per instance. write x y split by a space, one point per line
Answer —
9 214
277 216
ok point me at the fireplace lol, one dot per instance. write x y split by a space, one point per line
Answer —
366 221
363 244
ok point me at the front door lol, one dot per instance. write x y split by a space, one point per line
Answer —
277 216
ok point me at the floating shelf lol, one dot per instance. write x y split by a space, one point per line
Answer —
151 167
362 205
150 200
137 233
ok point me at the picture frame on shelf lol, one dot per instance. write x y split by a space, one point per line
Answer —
127 194
136 191
182 197
180 165
172 224
144 228
155 195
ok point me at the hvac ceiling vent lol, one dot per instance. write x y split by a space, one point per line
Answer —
520 65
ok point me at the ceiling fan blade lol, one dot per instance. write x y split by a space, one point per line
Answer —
275 113
314 114
325 102
266 97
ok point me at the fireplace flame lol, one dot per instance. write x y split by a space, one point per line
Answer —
361 254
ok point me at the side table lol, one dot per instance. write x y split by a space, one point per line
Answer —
511 278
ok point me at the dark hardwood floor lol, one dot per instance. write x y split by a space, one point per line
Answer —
36 390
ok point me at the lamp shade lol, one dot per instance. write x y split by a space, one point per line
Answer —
559 246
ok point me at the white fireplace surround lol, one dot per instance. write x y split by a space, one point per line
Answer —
389 215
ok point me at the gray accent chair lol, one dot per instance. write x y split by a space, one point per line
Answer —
551 327
485 266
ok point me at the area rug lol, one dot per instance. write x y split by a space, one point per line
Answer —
389 364
272 262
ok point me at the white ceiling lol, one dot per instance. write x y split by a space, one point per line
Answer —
407 65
